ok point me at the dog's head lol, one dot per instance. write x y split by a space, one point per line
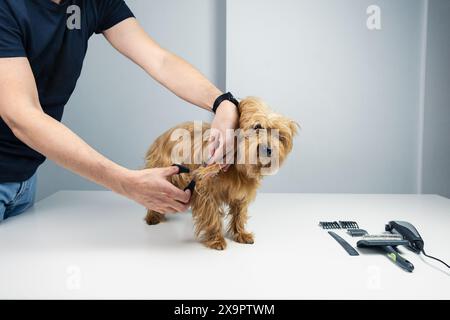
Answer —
265 139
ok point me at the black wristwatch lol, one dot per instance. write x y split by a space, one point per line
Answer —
226 96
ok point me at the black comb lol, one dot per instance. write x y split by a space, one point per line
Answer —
339 225
329 225
349 225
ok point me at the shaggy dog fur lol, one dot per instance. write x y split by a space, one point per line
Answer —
228 192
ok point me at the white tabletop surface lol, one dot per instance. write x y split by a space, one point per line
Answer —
96 245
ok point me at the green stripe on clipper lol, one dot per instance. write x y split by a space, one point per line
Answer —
392 256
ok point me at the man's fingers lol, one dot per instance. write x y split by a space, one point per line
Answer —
188 195
161 205
170 171
217 155
213 146
176 206
159 210
174 193
214 134
215 139
221 148
171 206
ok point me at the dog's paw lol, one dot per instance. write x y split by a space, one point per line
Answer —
217 244
153 219
245 237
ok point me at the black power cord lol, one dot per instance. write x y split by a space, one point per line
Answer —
431 257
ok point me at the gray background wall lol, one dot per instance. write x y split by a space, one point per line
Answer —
354 91
359 94
436 156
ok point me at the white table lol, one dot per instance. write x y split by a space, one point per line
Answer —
96 245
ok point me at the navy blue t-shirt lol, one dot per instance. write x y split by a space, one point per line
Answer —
54 38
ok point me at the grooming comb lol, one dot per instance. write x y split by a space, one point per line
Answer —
329 225
338 225
357 232
349 225
350 250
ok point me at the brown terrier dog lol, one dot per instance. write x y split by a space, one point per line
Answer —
263 135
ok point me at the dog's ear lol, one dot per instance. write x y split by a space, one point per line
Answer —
251 109
294 126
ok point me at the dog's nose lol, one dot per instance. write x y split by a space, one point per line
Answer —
268 151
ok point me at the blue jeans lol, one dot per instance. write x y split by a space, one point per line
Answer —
16 197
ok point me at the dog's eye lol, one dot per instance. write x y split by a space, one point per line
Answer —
257 126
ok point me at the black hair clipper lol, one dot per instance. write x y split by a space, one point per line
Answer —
408 232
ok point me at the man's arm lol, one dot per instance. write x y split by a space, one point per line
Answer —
130 39
22 112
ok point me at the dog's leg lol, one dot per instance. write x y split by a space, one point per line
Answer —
208 223
154 217
239 217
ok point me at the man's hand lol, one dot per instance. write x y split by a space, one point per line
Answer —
150 188
222 132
